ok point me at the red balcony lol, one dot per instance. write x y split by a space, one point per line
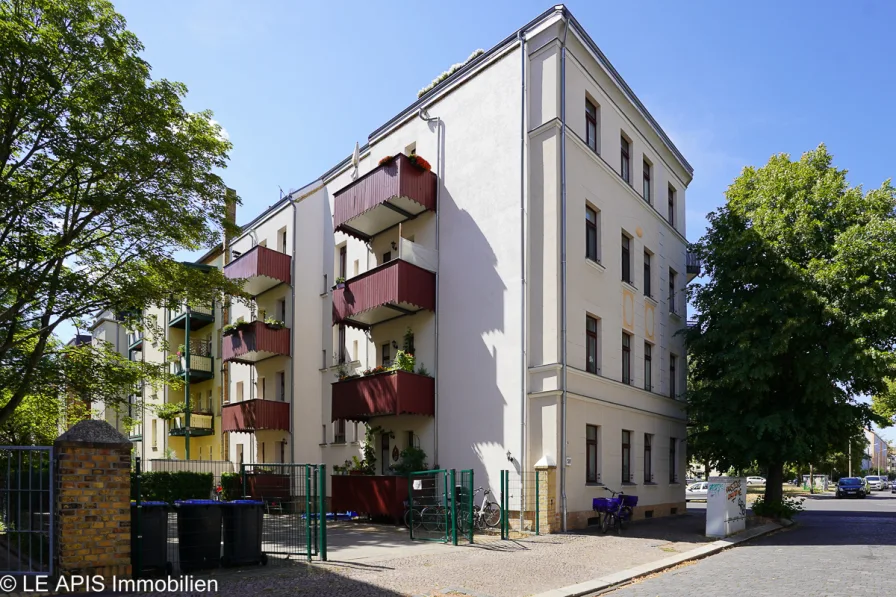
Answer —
391 290
392 393
262 269
384 197
255 342
255 415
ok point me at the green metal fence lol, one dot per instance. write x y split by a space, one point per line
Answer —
523 502
440 506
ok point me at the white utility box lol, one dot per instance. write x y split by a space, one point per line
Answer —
726 506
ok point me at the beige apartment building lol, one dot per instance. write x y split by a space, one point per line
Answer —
534 262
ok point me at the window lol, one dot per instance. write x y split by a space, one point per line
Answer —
412 442
626 258
648 274
323 358
354 350
672 284
626 456
341 346
648 366
200 452
209 403
282 451
626 358
591 333
260 388
155 440
645 191
591 125
673 374
339 431
671 215
239 453
323 434
281 240
239 391
673 462
591 475
648 458
356 268
387 256
281 310
343 255
591 234
386 355
281 386
409 343
355 437
263 459
625 165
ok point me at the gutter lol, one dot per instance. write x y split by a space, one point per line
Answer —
524 360
563 281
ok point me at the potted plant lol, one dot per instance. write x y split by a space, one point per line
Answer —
385 160
340 282
274 324
404 361
419 162
412 459
169 410
232 328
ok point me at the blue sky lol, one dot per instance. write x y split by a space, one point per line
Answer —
296 84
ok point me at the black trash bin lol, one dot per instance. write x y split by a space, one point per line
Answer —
153 547
198 534
243 526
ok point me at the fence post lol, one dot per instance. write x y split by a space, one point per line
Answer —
452 480
243 480
322 491
308 509
537 504
501 505
138 557
411 505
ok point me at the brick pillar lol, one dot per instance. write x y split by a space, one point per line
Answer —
93 501
547 496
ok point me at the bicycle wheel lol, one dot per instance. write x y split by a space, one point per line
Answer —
492 514
605 522
625 515
433 518
416 516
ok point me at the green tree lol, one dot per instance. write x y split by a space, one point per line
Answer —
796 320
104 176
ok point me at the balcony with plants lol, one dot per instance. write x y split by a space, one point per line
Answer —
200 315
202 363
388 291
400 188
249 342
261 269
201 422
249 416
402 388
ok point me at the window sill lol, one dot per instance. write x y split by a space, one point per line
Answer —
676 315
593 484
595 264
629 484
650 484
337 443
323 444
629 285
650 299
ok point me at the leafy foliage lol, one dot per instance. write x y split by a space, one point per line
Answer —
172 486
231 486
104 175
797 318
787 507
170 410
412 459
404 362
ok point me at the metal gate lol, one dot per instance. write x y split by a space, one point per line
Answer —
27 495
295 509
440 506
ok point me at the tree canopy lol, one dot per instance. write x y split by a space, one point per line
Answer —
104 177
796 320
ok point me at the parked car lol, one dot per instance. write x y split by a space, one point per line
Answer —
755 480
875 483
696 491
851 487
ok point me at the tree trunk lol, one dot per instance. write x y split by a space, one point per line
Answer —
774 483
706 469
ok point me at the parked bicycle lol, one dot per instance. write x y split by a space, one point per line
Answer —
614 511
485 515
412 516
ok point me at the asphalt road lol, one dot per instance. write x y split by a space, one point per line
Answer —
838 547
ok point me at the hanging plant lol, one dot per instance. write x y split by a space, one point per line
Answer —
274 324
386 160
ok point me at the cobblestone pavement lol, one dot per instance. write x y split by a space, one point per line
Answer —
828 553
490 567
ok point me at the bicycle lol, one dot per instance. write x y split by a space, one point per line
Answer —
486 515
414 515
616 510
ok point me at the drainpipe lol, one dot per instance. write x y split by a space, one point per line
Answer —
187 383
563 314
438 121
292 334
524 361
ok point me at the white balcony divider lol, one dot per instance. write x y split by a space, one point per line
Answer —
418 255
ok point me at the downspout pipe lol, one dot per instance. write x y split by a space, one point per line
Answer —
524 360
424 115
563 282
292 334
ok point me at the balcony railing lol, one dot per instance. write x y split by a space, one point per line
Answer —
135 341
384 197
391 290
200 424
255 415
255 342
693 265
391 393
201 367
261 268
200 316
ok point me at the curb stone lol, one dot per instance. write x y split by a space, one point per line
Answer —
625 576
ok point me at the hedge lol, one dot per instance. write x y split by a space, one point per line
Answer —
231 486
170 487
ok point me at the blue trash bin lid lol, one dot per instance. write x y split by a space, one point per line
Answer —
196 503
242 503
145 504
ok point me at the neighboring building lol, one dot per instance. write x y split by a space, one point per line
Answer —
107 328
877 455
